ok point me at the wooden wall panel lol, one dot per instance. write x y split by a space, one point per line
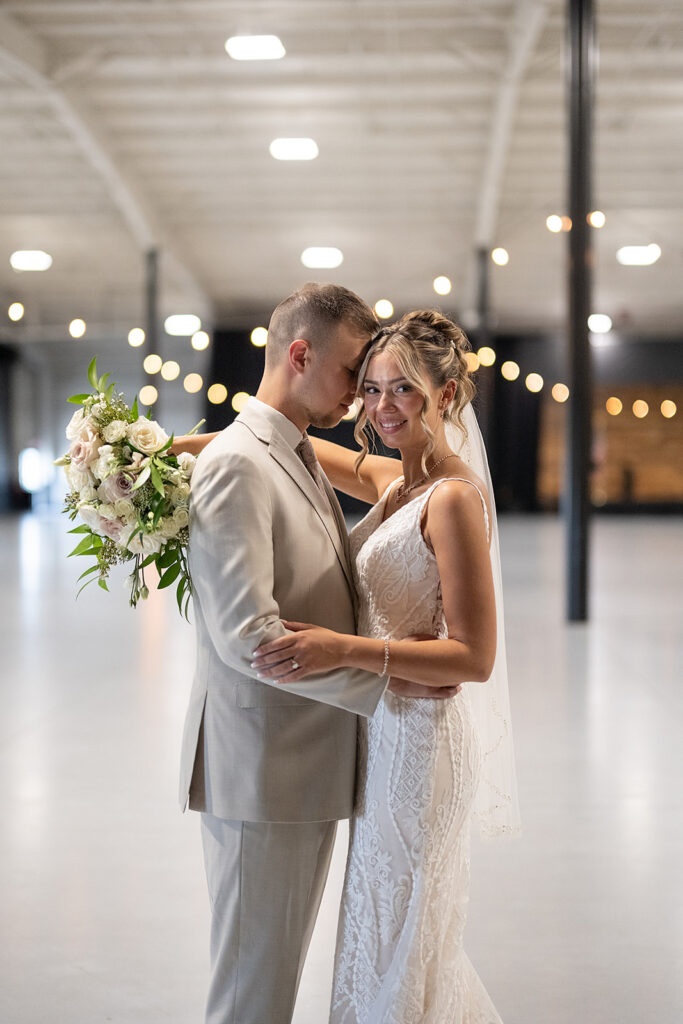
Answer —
637 461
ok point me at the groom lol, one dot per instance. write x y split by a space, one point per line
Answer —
271 768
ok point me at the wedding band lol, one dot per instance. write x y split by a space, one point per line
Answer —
295 664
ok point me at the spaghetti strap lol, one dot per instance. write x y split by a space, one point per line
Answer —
464 479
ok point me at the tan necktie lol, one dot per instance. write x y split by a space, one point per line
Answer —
306 453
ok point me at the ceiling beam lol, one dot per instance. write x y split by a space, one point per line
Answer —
525 30
25 57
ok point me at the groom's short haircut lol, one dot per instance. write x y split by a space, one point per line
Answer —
314 312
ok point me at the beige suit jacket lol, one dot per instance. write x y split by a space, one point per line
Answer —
266 546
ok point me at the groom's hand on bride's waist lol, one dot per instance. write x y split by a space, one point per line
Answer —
405 688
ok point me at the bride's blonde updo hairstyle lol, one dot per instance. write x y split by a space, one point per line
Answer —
428 347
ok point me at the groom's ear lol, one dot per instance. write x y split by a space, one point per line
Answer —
299 354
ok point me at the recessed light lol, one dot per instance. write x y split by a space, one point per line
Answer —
638 255
294 149
254 48
30 259
322 257
599 323
182 324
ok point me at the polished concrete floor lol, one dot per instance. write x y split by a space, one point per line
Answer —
104 913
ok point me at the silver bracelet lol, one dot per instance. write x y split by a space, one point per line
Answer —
385 666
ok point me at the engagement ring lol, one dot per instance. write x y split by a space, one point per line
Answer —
295 664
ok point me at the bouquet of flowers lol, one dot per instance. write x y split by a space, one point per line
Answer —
130 492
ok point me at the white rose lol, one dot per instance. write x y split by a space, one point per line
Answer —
90 517
181 517
186 461
114 528
125 509
107 511
168 528
79 425
144 544
115 431
180 495
87 493
146 435
106 462
78 478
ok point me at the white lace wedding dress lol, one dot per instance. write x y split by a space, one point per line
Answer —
400 957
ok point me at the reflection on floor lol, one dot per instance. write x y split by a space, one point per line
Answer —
104 912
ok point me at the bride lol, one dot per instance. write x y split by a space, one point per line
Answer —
426 564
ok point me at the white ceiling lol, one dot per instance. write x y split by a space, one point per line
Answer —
440 125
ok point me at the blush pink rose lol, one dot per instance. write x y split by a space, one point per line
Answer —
84 450
118 485
113 528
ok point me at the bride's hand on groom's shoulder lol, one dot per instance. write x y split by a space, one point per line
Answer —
306 650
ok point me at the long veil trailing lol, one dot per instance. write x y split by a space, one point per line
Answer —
496 805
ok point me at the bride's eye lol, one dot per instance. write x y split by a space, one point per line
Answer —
369 389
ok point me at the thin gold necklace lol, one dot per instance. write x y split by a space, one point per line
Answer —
403 490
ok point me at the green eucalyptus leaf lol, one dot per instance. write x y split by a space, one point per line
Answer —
92 373
168 557
134 409
88 572
166 446
83 546
169 576
80 529
142 479
110 391
87 583
103 583
156 479
78 399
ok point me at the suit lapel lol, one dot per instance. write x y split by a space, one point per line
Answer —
330 513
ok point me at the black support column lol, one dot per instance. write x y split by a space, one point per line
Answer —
581 87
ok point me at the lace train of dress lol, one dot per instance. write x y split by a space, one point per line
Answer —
400 956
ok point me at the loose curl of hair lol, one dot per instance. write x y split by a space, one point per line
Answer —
427 346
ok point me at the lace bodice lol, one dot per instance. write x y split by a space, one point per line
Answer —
395 572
